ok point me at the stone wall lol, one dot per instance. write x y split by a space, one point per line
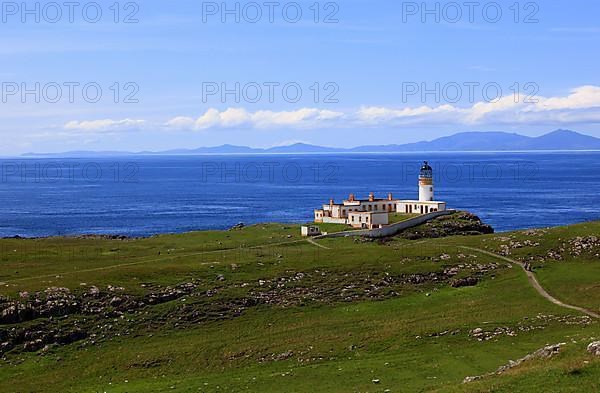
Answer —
390 230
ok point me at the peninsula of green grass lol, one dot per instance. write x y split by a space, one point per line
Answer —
263 310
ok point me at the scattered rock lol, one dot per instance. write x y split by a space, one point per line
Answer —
238 226
464 282
594 348
542 353
540 322
584 245
472 379
284 355
94 291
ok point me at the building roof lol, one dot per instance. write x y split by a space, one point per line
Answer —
416 201
367 213
368 201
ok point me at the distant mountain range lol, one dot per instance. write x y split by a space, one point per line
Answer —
464 141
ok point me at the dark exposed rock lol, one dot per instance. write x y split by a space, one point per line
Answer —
52 302
237 226
103 237
17 312
464 282
594 348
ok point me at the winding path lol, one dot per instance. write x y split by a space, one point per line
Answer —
534 282
311 241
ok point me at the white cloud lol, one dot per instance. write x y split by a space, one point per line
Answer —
236 117
379 114
180 122
306 117
580 98
581 105
105 125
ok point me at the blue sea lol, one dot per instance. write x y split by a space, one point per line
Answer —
147 195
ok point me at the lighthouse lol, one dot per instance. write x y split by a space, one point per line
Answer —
426 183
374 212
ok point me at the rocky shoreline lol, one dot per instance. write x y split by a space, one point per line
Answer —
99 236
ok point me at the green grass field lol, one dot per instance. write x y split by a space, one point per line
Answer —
267 311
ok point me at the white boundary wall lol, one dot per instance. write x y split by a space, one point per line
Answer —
393 229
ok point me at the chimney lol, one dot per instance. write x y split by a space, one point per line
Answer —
390 197
371 197
331 202
351 198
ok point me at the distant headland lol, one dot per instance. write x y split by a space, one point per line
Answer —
559 140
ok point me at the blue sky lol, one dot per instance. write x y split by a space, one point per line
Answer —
366 61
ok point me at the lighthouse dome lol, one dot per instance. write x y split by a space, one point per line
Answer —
426 170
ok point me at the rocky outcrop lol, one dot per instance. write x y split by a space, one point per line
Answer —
51 302
238 226
58 302
542 353
594 348
61 316
460 223
578 247
103 237
584 245
540 322
464 282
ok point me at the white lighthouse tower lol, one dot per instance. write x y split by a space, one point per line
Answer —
426 183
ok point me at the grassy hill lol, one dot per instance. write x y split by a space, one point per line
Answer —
260 309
